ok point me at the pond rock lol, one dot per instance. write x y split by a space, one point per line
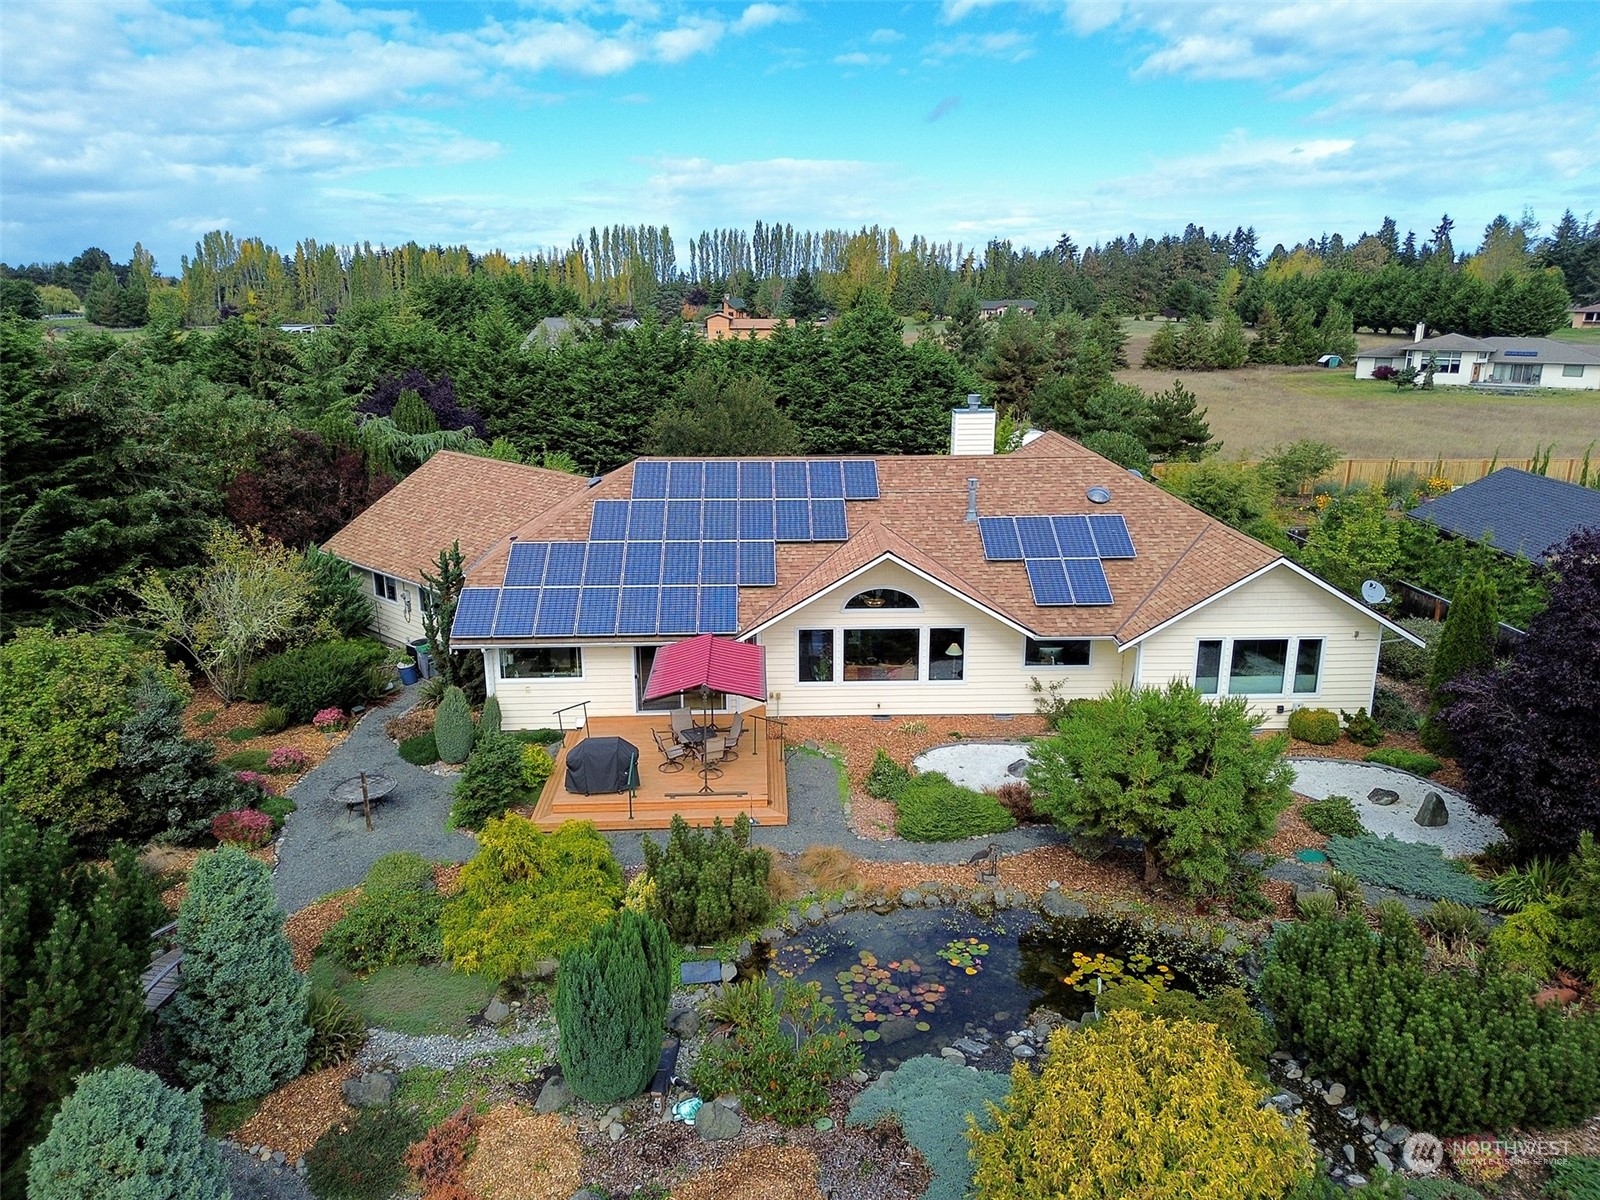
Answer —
895 1029
717 1122
971 1048
1055 904
1023 1051
1433 813
814 913
1334 1095
370 1089
952 1054
910 897
1383 796
554 1096
832 907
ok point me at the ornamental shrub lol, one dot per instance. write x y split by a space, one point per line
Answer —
420 751
1315 725
1399 659
237 1024
125 1135
886 778
931 808
388 929
73 939
1575 1177
286 760
1393 712
527 896
1333 816
1184 774
1404 760
401 871
1414 868
1227 1008
339 673
611 1005
1361 728
489 719
364 1160
438 1158
537 766
1447 1051
242 827
494 780
932 1099
1120 447
1467 643
272 720
710 883
337 1030
1139 1106
452 727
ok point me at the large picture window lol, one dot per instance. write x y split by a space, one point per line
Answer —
947 654
1074 653
1258 666
881 654
542 662
816 656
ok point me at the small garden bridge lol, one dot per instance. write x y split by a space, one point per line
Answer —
160 978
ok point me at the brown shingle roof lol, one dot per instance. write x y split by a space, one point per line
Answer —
451 497
1183 556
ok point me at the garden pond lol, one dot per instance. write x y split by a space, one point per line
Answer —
911 981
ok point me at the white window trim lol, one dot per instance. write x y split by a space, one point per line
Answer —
499 665
845 608
1224 665
927 657
392 582
1054 667
834 661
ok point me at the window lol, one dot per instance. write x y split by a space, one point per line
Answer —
947 654
1308 665
384 588
1443 364
1572 370
1055 654
882 598
1527 373
543 662
1256 667
427 599
1208 663
816 656
881 654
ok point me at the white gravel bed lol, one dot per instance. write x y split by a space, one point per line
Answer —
977 765
1468 832
401 1051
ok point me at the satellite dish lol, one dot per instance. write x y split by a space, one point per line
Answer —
1374 592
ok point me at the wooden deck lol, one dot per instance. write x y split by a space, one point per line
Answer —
756 783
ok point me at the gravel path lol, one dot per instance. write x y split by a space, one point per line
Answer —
402 1051
250 1179
1468 831
324 848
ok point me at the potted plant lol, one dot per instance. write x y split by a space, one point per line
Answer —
407 667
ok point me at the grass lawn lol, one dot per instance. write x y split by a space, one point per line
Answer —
1253 409
1584 337
415 1000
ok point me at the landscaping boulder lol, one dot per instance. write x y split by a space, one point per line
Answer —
1383 796
896 1029
554 1096
498 1012
1433 813
1055 904
717 1122
1019 769
370 1089
684 1022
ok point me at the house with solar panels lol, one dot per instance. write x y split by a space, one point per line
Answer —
911 585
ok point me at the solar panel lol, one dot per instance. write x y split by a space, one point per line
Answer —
679 610
604 565
719 519
860 479
475 612
642 567
827 521
514 616
827 480
1038 537
681 563
646 519
1111 535
525 566
999 536
758 564
597 611
756 520
1072 533
609 521
789 480
722 480
683 520
638 611
649 481
558 612
719 562
1049 581
719 610
1088 580
685 480
755 480
794 520
565 566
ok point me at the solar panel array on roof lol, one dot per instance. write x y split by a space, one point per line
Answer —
1062 554
558 612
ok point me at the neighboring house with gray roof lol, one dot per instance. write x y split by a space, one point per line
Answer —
1516 511
1492 361
552 329
1587 317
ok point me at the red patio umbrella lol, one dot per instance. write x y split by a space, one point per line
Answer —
708 664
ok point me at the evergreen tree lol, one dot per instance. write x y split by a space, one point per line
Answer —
412 415
1176 429
715 416
1015 363
102 303
337 594
237 1025
964 333
452 726
1268 342
73 941
611 1004
1229 348
709 883
463 669
805 300
1162 353
1467 643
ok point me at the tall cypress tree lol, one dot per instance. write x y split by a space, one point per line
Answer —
1467 643
611 1003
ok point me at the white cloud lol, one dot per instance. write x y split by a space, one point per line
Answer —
714 193
1008 46
687 40
860 58
886 37
759 16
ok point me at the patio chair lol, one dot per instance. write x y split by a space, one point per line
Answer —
682 722
673 755
715 751
735 732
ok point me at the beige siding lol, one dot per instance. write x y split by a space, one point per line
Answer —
996 681
1280 603
389 622
606 682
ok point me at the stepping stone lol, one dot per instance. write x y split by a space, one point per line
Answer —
705 971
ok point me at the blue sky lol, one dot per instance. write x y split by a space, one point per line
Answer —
519 126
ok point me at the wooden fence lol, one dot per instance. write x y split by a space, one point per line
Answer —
1457 470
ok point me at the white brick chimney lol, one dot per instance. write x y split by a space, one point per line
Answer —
972 428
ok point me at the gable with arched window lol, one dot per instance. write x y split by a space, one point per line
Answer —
876 598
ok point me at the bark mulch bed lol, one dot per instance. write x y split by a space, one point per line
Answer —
306 928
171 865
523 1155
1113 876
760 1173
292 1118
414 722
225 718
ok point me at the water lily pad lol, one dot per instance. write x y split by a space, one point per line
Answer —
923 1027
871 1035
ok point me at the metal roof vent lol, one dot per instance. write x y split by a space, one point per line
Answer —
1135 472
972 500
1099 495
